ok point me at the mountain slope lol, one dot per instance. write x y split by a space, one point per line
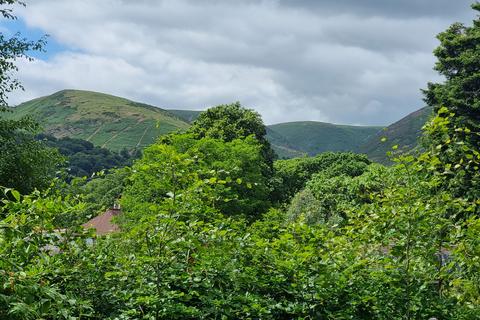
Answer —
404 133
282 147
186 115
313 137
104 120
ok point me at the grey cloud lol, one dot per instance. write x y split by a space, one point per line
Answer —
357 62
394 8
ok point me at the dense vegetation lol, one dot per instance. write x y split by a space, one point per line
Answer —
213 228
25 163
83 159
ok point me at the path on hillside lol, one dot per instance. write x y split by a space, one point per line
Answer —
141 138
95 132
121 131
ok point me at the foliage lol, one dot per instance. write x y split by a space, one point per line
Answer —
456 101
32 254
99 193
196 240
230 122
329 196
13 48
450 156
84 159
402 252
232 170
292 175
25 163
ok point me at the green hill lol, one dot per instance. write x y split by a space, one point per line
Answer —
404 133
313 137
105 120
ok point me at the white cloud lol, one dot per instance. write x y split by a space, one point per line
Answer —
288 61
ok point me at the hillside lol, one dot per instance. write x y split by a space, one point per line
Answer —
105 120
315 137
283 148
404 133
186 115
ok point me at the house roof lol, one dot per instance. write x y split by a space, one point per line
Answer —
103 223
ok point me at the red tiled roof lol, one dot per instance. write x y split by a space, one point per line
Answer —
103 223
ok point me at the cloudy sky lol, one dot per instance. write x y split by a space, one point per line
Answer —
340 61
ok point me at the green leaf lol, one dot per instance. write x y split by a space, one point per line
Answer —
15 194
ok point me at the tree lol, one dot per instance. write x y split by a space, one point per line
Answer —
226 176
456 101
25 163
34 253
292 175
230 122
459 62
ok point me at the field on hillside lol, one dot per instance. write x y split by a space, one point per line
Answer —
107 121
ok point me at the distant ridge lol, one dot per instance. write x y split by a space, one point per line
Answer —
302 138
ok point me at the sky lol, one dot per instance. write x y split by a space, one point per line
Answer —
359 62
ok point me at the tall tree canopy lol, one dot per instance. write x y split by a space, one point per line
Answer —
458 60
456 102
230 122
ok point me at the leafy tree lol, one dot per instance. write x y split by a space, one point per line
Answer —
12 48
84 159
34 254
25 164
458 60
292 175
232 171
330 195
230 122
456 101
